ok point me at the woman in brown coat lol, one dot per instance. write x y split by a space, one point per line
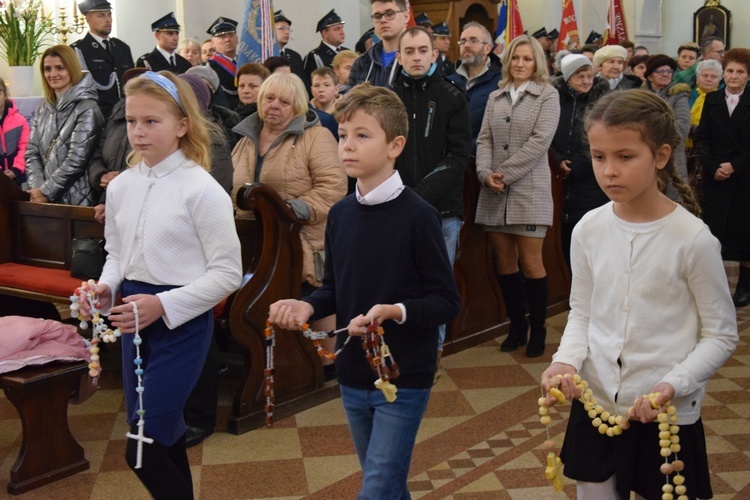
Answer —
515 203
284 147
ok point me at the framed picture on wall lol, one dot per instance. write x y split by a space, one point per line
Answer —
712 20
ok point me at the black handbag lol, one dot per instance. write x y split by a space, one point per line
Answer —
88 258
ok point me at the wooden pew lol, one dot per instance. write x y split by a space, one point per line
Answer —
275 266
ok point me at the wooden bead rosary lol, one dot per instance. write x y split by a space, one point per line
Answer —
377 353
611 425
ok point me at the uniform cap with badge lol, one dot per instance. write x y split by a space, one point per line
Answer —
166 23
540 33
441 29
94 6
222 26
279 17
330 19
422 20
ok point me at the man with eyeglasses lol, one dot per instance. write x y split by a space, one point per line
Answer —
479 72
331 29
378 65
283 31
712 47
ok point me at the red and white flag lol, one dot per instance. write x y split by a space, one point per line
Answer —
569 36
616 31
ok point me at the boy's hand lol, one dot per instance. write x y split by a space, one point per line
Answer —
289 313
377 314
567 386
149 310
644 411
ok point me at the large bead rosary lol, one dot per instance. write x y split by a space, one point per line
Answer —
101 331
613 425
377 353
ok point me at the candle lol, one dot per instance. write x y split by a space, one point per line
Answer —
75 13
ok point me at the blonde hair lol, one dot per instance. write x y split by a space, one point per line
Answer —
284 86
70 62
540 75
196 143
653 118
380 103
343 56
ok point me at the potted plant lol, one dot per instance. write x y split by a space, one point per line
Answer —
23 30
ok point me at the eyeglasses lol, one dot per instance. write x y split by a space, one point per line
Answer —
471 41
284 28
720 52
389 15
663 71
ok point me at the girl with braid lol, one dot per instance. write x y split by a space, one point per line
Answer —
650 307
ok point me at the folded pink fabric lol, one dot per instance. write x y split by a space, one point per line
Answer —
31 341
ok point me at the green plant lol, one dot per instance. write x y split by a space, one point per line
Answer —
23 30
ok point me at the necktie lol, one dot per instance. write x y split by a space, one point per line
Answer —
171 60
106 46
282 53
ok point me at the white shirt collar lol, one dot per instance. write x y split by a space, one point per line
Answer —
388 190
99 39
164 167
333 48
166 54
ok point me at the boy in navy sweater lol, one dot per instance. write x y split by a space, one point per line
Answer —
386 263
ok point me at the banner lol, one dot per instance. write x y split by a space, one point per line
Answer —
509 25
502 23
258 36
569 36
616 31
411 23
515 26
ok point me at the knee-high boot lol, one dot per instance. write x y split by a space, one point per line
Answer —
511 286
742 292
536 296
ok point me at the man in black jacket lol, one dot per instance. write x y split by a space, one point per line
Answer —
439 143
165 56
331 29
283 32
223 33
105 57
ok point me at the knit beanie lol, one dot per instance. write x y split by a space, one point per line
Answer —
208 74
609 52
559 57
657 61
200 88
572 63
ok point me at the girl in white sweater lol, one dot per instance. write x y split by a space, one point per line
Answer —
172 250
650 308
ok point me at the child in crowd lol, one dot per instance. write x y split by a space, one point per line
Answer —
324 89
650 307
386 263
172 250
14 135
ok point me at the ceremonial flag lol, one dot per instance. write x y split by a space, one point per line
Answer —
411 23
616 31
258 36
515 26
569 37
502 24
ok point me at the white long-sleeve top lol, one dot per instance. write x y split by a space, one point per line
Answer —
187 238
653 296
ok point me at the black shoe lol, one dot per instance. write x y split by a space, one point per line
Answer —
536 343
196 435
516 338
741 297
329 372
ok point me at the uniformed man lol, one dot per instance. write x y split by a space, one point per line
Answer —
331 29
442 35
423 20
223 33
283 31
164 56
105 57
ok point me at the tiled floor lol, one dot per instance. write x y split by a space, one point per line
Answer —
480 439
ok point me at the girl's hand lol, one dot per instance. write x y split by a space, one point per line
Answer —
149 310
10 174
567 386
104 296
644 411
99 213
289 313
36 196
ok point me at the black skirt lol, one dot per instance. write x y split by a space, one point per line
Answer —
633 456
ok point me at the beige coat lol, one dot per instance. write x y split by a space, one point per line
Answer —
302 164
514 141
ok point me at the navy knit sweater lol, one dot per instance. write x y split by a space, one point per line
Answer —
385 254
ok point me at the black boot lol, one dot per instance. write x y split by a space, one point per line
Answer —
511 285
536 297
742 292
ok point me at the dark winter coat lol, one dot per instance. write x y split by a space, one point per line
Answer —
479 93
439 143
111 152
369 68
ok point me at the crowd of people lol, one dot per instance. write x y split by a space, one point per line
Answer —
395 125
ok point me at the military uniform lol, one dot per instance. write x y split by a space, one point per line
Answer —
322 55
155 60
105 66
447 67
225 67
295 60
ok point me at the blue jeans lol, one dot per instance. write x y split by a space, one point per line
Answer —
451 232
384 435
